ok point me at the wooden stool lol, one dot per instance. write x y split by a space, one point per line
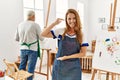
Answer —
48 63
13 71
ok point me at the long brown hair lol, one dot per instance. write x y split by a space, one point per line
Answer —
77 28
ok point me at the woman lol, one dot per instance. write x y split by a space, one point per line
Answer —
71 47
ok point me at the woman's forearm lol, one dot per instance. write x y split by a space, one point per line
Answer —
46 32
76 55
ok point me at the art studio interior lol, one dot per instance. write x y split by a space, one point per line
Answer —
96 17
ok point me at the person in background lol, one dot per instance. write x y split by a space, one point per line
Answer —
28 35
71 47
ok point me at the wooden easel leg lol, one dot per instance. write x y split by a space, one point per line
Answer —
107 76
113 76
41 60
48 64
118 77
93 74
99 75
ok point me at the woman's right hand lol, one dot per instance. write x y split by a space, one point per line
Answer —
58 20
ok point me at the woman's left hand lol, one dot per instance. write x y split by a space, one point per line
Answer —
62 58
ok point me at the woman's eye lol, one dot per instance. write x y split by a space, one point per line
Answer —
69 18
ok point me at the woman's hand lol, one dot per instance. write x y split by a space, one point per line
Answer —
62 58
58 20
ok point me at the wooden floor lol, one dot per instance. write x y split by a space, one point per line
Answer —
85 76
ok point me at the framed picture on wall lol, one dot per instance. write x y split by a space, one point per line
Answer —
101 20
117 19
104 26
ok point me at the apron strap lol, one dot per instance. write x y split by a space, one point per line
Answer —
28 45
38 44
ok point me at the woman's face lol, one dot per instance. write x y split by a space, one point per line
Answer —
71 20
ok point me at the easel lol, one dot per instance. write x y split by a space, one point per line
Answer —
48 63
46 50
111 27
107 74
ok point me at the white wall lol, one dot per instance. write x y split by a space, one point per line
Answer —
73 4
10 16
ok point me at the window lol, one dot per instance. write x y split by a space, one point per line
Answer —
80 8
60 11
37 6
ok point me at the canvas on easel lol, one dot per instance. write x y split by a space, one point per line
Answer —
107 51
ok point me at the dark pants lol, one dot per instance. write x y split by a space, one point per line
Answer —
28 57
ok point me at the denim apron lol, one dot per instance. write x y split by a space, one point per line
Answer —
69 69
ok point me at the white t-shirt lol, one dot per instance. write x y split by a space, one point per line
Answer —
57 32
28 32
